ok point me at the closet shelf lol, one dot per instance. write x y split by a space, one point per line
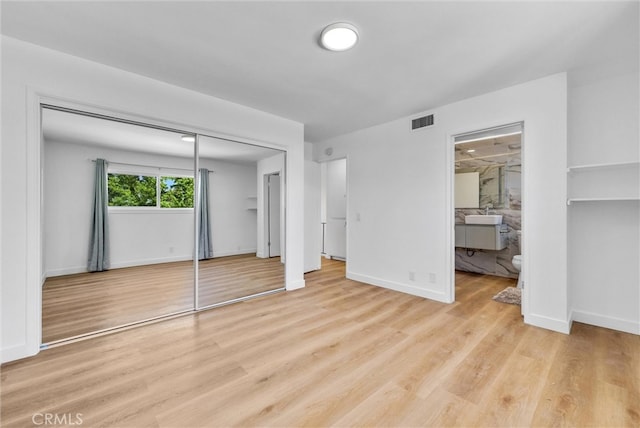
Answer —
572 200
252 203
601 166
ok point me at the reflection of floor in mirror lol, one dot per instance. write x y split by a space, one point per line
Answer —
227 278
78 304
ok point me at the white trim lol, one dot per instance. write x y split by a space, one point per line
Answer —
614 323
450 214
396 286
34 220
240 252
140 262
295 285
561 326
64 271
149 210
17 352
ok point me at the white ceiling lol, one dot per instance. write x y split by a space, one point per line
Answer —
59 126
412 56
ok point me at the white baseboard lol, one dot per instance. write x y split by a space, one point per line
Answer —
627 326
144 262
116 265
396 286
554 324
295 285
65 271
16 352
313 268
217 254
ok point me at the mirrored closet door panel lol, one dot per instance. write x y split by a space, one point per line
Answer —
118 223
241 214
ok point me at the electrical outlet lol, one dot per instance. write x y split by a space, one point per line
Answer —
432 278
412 275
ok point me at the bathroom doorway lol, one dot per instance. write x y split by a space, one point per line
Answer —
488 203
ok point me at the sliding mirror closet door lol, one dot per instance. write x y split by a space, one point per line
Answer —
118 223
240 205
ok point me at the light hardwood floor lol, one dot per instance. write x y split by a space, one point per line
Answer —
338 353
74 305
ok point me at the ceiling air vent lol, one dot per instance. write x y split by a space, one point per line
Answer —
421 122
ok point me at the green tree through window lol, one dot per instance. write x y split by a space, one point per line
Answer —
130 190
176 192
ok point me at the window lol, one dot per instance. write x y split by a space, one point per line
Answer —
176 192
137 190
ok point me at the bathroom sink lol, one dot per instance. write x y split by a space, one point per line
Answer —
483 219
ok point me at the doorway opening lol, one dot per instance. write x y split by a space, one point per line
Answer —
273 220
488 205
334 209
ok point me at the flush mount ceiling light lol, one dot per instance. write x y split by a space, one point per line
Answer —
339 37
188 138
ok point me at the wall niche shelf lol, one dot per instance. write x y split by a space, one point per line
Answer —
604 182
577 168
252 203
572 200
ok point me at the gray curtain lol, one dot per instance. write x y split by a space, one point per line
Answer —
99 244
205 249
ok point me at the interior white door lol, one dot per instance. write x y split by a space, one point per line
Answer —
312 216
274 215
336 229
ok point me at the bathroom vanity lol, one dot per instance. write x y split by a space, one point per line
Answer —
482 236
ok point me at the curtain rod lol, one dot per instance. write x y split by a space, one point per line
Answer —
148 166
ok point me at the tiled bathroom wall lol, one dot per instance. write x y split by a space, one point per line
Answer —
495 262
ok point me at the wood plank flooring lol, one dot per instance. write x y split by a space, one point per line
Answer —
227 278
78 304
337 353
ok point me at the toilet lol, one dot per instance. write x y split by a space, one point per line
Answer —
517 260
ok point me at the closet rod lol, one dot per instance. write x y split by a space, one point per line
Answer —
148 166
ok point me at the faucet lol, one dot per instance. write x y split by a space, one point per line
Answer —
486 209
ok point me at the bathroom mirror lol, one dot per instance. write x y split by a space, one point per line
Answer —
494 160
241 221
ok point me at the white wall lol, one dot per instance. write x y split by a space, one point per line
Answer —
604 237
401 188
233 226
312 211
31 74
